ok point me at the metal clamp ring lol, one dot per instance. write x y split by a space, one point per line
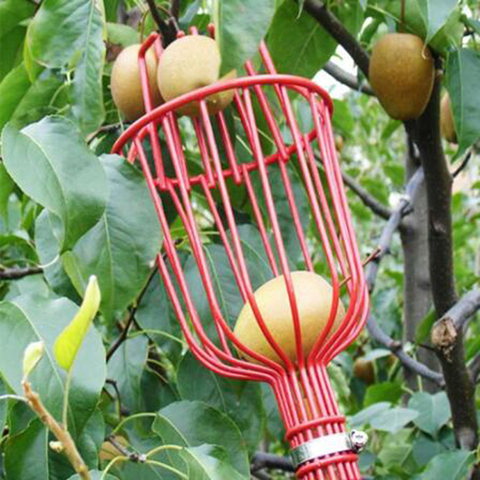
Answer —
328 445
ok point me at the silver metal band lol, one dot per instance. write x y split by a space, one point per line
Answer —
327 445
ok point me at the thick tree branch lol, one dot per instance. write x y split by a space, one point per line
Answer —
16 273
333 26
347 79
175 9
459 385
368 200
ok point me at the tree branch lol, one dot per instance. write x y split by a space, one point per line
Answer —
459 386
167 30
16 273
131 317
60 433
175 9
402 208
347 79
445 331
333 26
368 200
268 460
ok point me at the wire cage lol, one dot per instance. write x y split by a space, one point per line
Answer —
271 158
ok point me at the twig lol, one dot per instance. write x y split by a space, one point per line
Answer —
175 9
464 163
475 368
368 200
132 456
131 317
16 273
332 25
347 79
62 435
168 33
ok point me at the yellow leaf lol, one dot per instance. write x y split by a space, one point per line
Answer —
32 355
69 341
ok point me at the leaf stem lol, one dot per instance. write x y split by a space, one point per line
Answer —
65 399
163 447
132 417
168 467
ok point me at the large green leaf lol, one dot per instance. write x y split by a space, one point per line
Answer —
126 367
42 159
298 44
451 465
394 419
433 411
436 21
48 251
6 188
242 401
60 29
3 405
26 454
96 475
192 424
28 319
12 89
120 249
463 72
81 33
238 32
12 13
209 462
87 93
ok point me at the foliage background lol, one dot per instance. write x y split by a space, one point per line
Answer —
68 209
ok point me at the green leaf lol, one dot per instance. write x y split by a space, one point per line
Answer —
70 340
12 33
365 416
242 401
26 454
60 29
238 32
451 465
433 411
48 251
6 188
209 462
91 439
96 475
380 392
298 44
3 405
42 159
12 89
126 367
463 71
424 327
192 424
87 89
396 449
27 319
435 14
394 419
124 35
424 449
121 247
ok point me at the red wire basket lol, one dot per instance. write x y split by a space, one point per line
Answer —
203 192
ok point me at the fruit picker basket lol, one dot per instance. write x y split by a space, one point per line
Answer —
265 159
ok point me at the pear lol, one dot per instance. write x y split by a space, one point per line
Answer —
189 63
125 82
447 126
402 73
314 301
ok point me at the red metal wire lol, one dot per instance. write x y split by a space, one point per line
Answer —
302 388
